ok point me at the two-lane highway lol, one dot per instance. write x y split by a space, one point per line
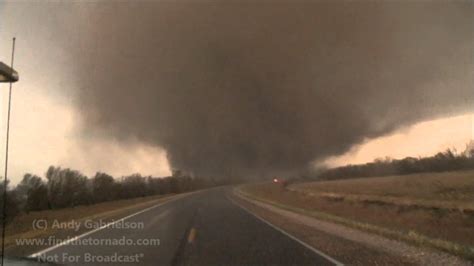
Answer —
204 228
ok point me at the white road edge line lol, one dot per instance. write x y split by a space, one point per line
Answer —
39 253
320 253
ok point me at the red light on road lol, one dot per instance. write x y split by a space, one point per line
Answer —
275 180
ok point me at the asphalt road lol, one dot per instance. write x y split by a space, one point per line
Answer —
205 228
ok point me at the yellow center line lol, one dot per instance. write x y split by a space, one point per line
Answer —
192 235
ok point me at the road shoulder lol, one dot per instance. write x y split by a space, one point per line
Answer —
346 244
59 236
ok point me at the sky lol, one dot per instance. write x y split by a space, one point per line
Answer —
44 121
73 106
419 140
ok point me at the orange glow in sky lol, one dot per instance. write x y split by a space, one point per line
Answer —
422 139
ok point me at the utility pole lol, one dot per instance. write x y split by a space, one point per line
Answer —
7 74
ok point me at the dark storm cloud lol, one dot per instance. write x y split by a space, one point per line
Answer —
250 89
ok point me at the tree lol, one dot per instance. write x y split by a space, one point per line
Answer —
104 187
66 188
133 186
12 205
33 193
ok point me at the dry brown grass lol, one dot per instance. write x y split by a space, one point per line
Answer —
413 205
455 187
445 191
22 225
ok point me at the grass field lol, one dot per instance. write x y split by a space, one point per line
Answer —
452 190
436 206
22 226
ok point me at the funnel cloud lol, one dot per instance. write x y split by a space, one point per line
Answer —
250 89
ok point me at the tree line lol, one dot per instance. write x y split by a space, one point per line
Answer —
449 160
65 188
